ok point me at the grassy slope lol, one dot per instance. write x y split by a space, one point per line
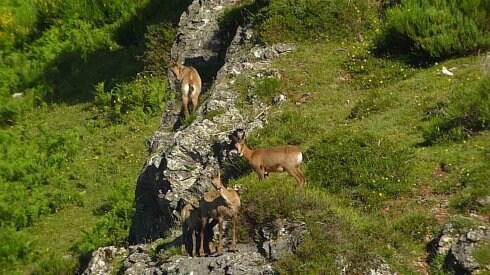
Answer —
400 229
110 159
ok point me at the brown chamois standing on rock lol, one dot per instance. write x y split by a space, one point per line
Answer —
191 225
190 85
220 204
276 159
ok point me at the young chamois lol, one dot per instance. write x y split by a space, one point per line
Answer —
191 225
220 204
276 159
190 85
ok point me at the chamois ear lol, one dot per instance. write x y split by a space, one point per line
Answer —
240 134
233 138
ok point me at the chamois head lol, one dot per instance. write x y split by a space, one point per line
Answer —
238 140
216 181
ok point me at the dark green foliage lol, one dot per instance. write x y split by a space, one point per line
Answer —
367 168
55 263
158 41
267 88
474 189
144 96
15 246
466 113
437 28
113 227
286 20
30 181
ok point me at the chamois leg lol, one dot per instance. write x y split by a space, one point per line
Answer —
260 172
184 239
193 232
194 100
233 241
293 172
185 106
204 221
220 240
303 179
210 235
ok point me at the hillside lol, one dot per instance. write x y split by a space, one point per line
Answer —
396 151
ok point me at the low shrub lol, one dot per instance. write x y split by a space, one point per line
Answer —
290 20
366 168
267 88
15 247
144 96
466 112
30 181
437 28
415 225
474 189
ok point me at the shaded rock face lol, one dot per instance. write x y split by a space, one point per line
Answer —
182 159
459 249
280 238
200 40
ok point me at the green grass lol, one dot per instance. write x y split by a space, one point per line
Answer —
338 147
103 172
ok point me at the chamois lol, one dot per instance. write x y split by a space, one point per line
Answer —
191 224
222 203
276 159
190 85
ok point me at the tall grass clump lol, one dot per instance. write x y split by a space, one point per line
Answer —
144 96
466 113
291 20
366 168
437 28
31 184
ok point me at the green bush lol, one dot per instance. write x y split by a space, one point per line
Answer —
30 181
267 88
158 41
113 227
285 20
144 96
474 188
415 225
466 112
367 168
437 28
15 246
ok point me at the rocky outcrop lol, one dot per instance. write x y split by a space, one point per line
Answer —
181 161
103 258
459 247
280 238
247 261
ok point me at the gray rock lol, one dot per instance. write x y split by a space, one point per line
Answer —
457 248
102 258
280 238
460 257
